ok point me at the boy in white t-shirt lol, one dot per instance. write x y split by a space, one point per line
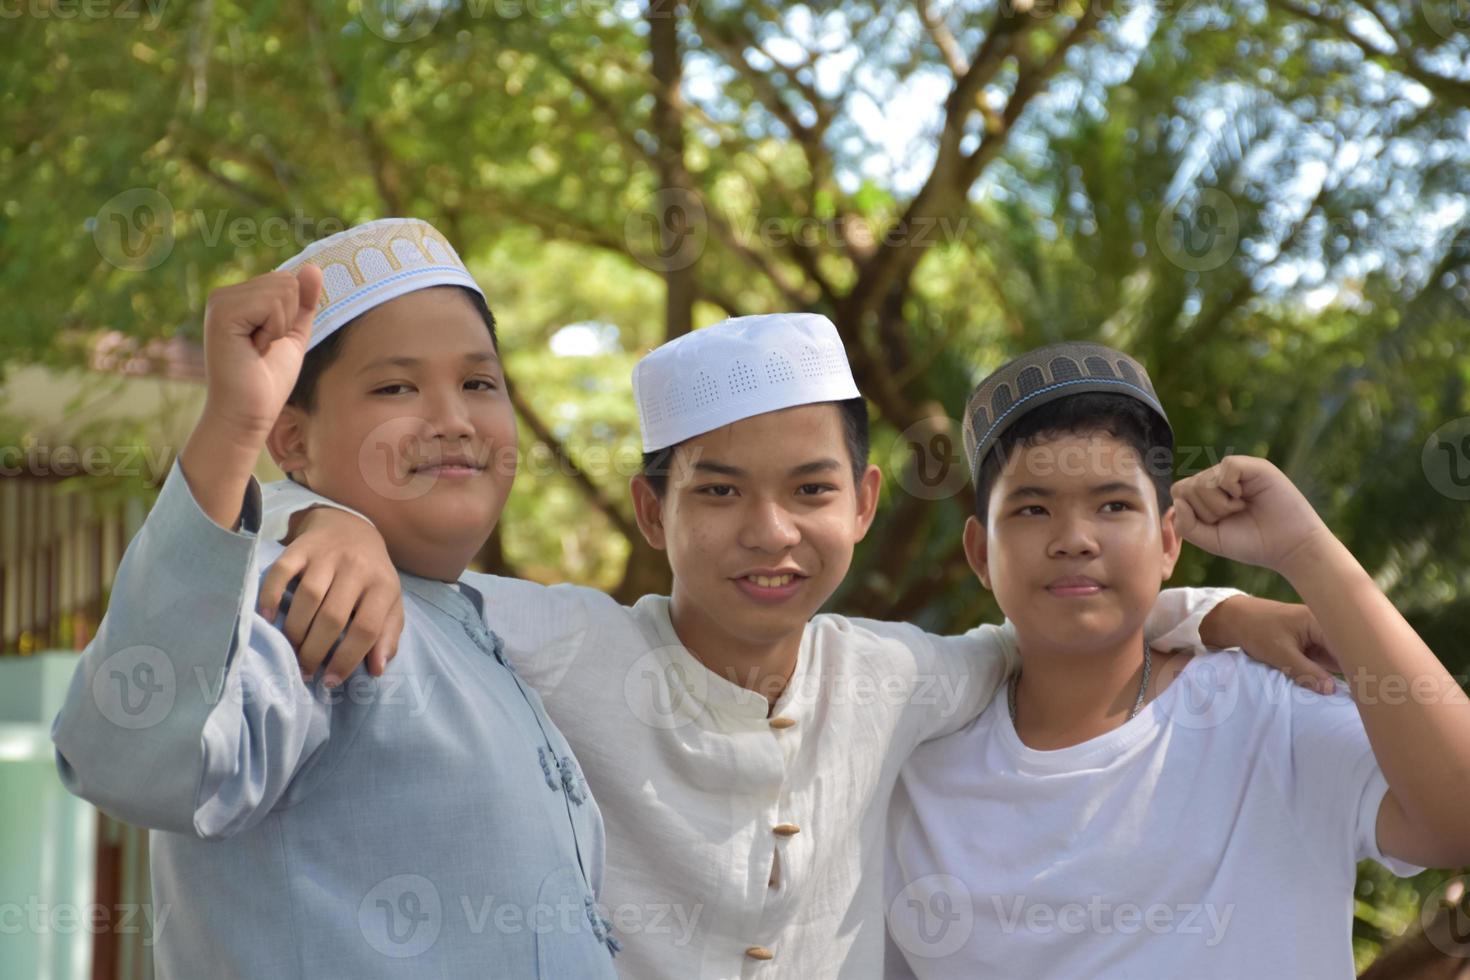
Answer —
1121 813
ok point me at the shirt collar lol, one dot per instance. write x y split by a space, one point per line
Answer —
705 686
456 599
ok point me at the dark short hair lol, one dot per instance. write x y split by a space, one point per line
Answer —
321 357
854 412
1119 416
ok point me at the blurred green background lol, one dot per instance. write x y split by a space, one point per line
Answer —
1266 202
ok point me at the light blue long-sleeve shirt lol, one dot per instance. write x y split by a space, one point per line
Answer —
430 823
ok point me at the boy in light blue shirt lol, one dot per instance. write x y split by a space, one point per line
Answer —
433 823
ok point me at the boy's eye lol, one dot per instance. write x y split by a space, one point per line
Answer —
1031 510
487 384
813 489
717 490
390 389
1120 505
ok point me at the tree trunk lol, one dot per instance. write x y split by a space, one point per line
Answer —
676 190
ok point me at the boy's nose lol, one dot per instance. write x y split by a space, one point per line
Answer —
450 418
1073 539
770 528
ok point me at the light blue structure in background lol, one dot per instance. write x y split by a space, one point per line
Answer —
47 836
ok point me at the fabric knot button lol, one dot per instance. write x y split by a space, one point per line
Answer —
779 723
571 780
601 927
552 782
786 830
760 953
487 641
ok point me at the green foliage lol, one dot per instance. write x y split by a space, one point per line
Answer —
1332 336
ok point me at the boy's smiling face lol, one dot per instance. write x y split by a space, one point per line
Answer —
1073 546
759 520
411 426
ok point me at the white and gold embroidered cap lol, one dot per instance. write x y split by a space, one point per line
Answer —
369 264
736 369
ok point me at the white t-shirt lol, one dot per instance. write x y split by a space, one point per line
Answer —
1214 835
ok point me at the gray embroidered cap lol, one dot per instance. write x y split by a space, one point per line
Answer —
1044 375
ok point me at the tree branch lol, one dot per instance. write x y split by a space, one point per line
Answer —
808 137
608 114
381 168
1452 90
570 468
199 162
765 90
1030 82
954 172
790 290
943 39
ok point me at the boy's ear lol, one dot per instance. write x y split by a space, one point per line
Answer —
649 511
977 549
1172 542
869 488
287 440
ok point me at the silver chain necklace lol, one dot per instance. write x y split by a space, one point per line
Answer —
1148 658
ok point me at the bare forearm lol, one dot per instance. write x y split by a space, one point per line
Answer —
217 462
1416 716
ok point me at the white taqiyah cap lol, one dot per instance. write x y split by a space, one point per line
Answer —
369 264
735 369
